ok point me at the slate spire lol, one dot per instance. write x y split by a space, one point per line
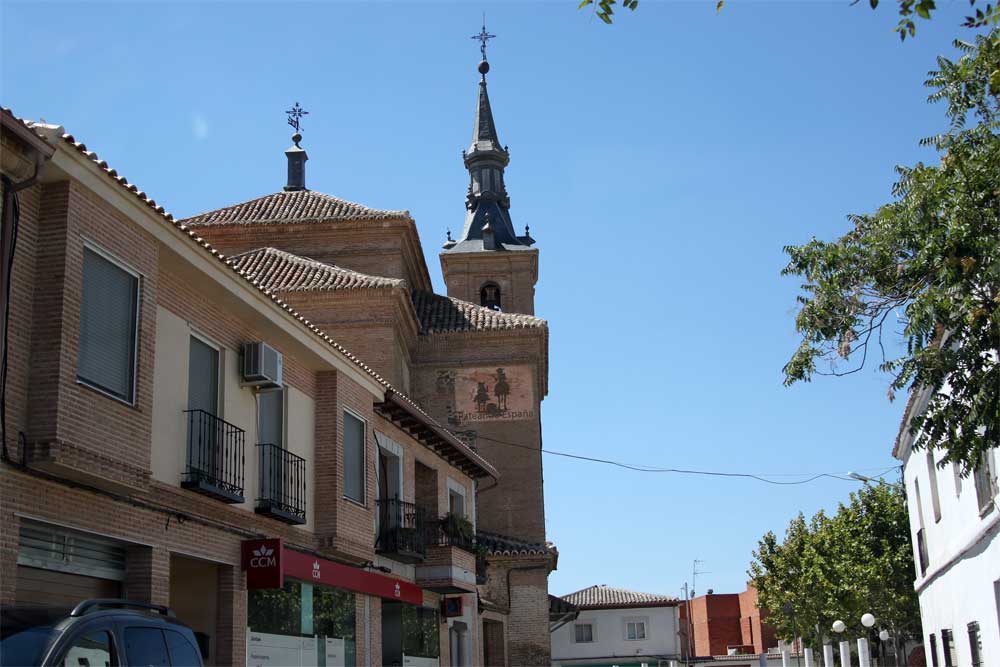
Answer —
487 199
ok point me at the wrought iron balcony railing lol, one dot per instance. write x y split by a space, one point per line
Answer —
282 484
922 551
400 530
214 457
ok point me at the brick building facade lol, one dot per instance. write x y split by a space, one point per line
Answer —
409 468
721 622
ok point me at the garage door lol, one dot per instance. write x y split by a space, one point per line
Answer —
57 566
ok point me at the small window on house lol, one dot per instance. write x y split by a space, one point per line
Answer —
108 327
489 296
985 484
948 648
354 458
975 644
635 630
584 633
935 497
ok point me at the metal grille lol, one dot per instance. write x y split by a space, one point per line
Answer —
401 528
282 484
52 548
214 457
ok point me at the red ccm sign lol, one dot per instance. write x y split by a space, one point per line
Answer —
268 562
262 562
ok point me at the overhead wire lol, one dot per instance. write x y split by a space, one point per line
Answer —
685 471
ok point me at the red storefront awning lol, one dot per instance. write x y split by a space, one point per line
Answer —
267 563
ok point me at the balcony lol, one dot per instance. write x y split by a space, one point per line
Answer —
401 531
282 485
450 566
922 550
214 457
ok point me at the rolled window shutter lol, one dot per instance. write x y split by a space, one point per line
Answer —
107 326
354 458
272 410
203 378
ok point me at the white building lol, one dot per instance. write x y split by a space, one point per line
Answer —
618 627
954 524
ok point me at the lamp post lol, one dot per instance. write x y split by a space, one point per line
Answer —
845 646
864 653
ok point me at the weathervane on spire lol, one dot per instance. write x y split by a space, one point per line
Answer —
483 37
295 115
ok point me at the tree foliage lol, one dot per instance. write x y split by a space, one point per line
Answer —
923 270
982 13
839 568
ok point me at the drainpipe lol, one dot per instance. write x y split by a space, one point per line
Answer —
8 241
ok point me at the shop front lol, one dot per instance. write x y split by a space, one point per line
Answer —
302 610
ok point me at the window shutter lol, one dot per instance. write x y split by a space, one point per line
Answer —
203 377
354 458
107 326
272 413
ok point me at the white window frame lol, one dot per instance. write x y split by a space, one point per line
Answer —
127 268
364 460
635 620
593 632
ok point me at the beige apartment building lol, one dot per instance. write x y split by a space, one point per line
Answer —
185 425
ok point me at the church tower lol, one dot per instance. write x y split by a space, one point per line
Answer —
489 264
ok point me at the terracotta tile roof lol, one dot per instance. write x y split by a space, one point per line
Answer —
606 597
302 206
443 314
57 131
279 271
501 545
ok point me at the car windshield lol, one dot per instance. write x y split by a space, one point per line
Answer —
25 633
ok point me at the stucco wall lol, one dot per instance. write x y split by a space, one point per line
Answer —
609 634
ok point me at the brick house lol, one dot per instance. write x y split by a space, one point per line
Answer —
157 447
726 622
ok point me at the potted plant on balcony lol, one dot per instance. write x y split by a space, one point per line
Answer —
458 529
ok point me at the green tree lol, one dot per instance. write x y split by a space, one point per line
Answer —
928 263
982 13
838 568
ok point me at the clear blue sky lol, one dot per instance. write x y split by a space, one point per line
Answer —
662 163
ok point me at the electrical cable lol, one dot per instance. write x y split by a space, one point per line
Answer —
682 471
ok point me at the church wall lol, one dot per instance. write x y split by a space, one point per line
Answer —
514 272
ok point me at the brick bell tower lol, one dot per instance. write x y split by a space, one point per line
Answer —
489 264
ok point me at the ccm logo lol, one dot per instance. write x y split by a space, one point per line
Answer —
263 557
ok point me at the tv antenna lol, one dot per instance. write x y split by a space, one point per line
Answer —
694 575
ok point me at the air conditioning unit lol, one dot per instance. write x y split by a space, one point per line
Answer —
261 366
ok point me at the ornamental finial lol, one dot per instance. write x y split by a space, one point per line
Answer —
295 115
483 38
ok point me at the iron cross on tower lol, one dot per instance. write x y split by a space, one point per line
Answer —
295 115
483 38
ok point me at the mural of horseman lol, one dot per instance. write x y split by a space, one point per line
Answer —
501 389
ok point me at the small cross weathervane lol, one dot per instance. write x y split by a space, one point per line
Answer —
483 38
295 115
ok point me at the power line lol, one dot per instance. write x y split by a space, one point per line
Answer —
683 471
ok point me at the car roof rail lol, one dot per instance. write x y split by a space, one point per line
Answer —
90 605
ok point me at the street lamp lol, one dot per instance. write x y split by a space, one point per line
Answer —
868 620
845 646
884 635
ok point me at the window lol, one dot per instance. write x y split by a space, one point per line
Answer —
354 458
985 484
635 630
203 377
145 646
108 327
935 498
94 650
584 633
975 645
182 652
456 502
934 653
271 408
948 648
489 296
